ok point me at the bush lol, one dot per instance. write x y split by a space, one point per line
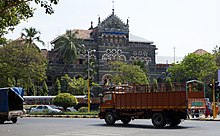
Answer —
65 100
83 109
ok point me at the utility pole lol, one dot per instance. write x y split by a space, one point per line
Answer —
88 85
174 55
213 94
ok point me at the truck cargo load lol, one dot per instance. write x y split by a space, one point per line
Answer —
11 104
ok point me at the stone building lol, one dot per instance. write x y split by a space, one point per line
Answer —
112 41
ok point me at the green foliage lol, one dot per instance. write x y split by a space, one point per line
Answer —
31 35
216 53
83 109
75 86
155 85
69 47
57 86
194 66
12 12
22 65
64 83
125 73
45 89
78 86
142 65
65 100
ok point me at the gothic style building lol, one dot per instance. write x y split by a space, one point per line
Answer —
112 41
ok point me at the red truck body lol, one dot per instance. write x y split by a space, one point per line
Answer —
155 101
162 107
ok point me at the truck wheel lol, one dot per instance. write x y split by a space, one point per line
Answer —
109 118
158 120
14 120
126 120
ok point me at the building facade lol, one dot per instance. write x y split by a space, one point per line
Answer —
112 41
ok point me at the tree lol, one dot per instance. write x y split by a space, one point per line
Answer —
78 86
142 65
64 83
57 86
69 47
216 53
21 64
155 85
65 100
131 74
12 12
45 89
30 35
194 66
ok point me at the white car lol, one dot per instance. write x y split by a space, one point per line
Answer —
71 109
44 108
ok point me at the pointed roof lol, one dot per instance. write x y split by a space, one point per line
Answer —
200 52
113 22
81 34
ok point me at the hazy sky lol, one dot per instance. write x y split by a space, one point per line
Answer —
187 25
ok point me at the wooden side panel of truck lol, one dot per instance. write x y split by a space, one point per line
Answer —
155 101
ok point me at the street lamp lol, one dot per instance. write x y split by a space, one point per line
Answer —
89 52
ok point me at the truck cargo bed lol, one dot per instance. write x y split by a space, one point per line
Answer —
151 100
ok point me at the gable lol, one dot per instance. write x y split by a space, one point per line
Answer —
113 22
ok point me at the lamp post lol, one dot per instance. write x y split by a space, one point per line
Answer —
89 52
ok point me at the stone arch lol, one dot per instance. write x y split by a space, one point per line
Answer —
107 79
122 58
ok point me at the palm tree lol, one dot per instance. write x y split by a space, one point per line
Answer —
30 35
69 47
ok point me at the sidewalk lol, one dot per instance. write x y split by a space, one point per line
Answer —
62 116
203 118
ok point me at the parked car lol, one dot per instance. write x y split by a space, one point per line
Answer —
57 107
44 108
71 109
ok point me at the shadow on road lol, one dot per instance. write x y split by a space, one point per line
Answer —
144 126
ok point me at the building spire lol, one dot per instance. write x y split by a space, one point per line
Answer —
113 7
91 27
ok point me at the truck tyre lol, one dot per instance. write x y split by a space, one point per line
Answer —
126 120
14 120
109 118
158 120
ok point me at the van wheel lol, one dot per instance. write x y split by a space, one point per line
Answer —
126 120
158 120
14 120
109 118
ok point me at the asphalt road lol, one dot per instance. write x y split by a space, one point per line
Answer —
96 127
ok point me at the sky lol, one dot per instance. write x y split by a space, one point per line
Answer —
186 25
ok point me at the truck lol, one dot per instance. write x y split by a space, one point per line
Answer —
196 105
11 104
164 107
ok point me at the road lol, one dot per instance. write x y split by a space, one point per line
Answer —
96 127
